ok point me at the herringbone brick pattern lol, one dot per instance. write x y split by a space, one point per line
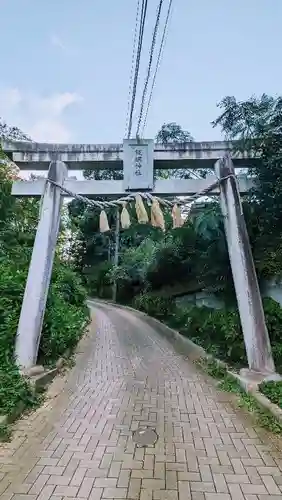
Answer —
78 445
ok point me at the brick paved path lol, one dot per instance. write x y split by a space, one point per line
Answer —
79 443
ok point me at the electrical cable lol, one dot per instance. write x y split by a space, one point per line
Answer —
153 44
137 65
157 64
132 65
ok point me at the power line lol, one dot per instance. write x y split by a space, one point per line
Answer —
132 65
157 64
153 44
137 65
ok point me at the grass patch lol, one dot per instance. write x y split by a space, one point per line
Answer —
5 433
273 391
15 390
244 400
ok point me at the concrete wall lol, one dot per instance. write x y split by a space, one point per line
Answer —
271 289
200 299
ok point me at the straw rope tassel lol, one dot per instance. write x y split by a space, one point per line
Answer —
153 219
125 218
157 216
176 216
141 212
104 225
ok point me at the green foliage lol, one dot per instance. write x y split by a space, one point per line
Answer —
14 390
213 368
11 133
66 314
5 433
245 400
263 417
63 326
180 256
98 279
12 281
273 391
273 316
256 124
135 263
68 285
149 259
218 331
171 133
153 305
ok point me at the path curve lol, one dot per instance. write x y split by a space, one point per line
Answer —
79 443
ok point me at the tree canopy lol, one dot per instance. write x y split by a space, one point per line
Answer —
11 133
256 125
172 133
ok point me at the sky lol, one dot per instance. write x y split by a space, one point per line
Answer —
65 64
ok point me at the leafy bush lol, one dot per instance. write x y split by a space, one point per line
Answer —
98 280
12 281
273 391
68 284
273 317
65 318
66 313
218 331
63 327
14 390
153 305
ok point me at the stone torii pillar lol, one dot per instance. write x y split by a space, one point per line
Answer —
40 269
250 307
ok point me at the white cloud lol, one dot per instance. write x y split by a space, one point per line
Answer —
56 103
57 42
49 131
40 117
10 98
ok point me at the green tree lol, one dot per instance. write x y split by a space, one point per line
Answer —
256 125
171 133
11 133
66 313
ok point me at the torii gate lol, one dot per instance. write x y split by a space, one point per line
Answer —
138 164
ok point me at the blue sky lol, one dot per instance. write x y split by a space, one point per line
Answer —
66 64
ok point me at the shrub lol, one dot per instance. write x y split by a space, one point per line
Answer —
98 280
12 282
64 322
272 390
14 390
220 333
66 313
216 330
69 285
153 305
63 327
273 317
